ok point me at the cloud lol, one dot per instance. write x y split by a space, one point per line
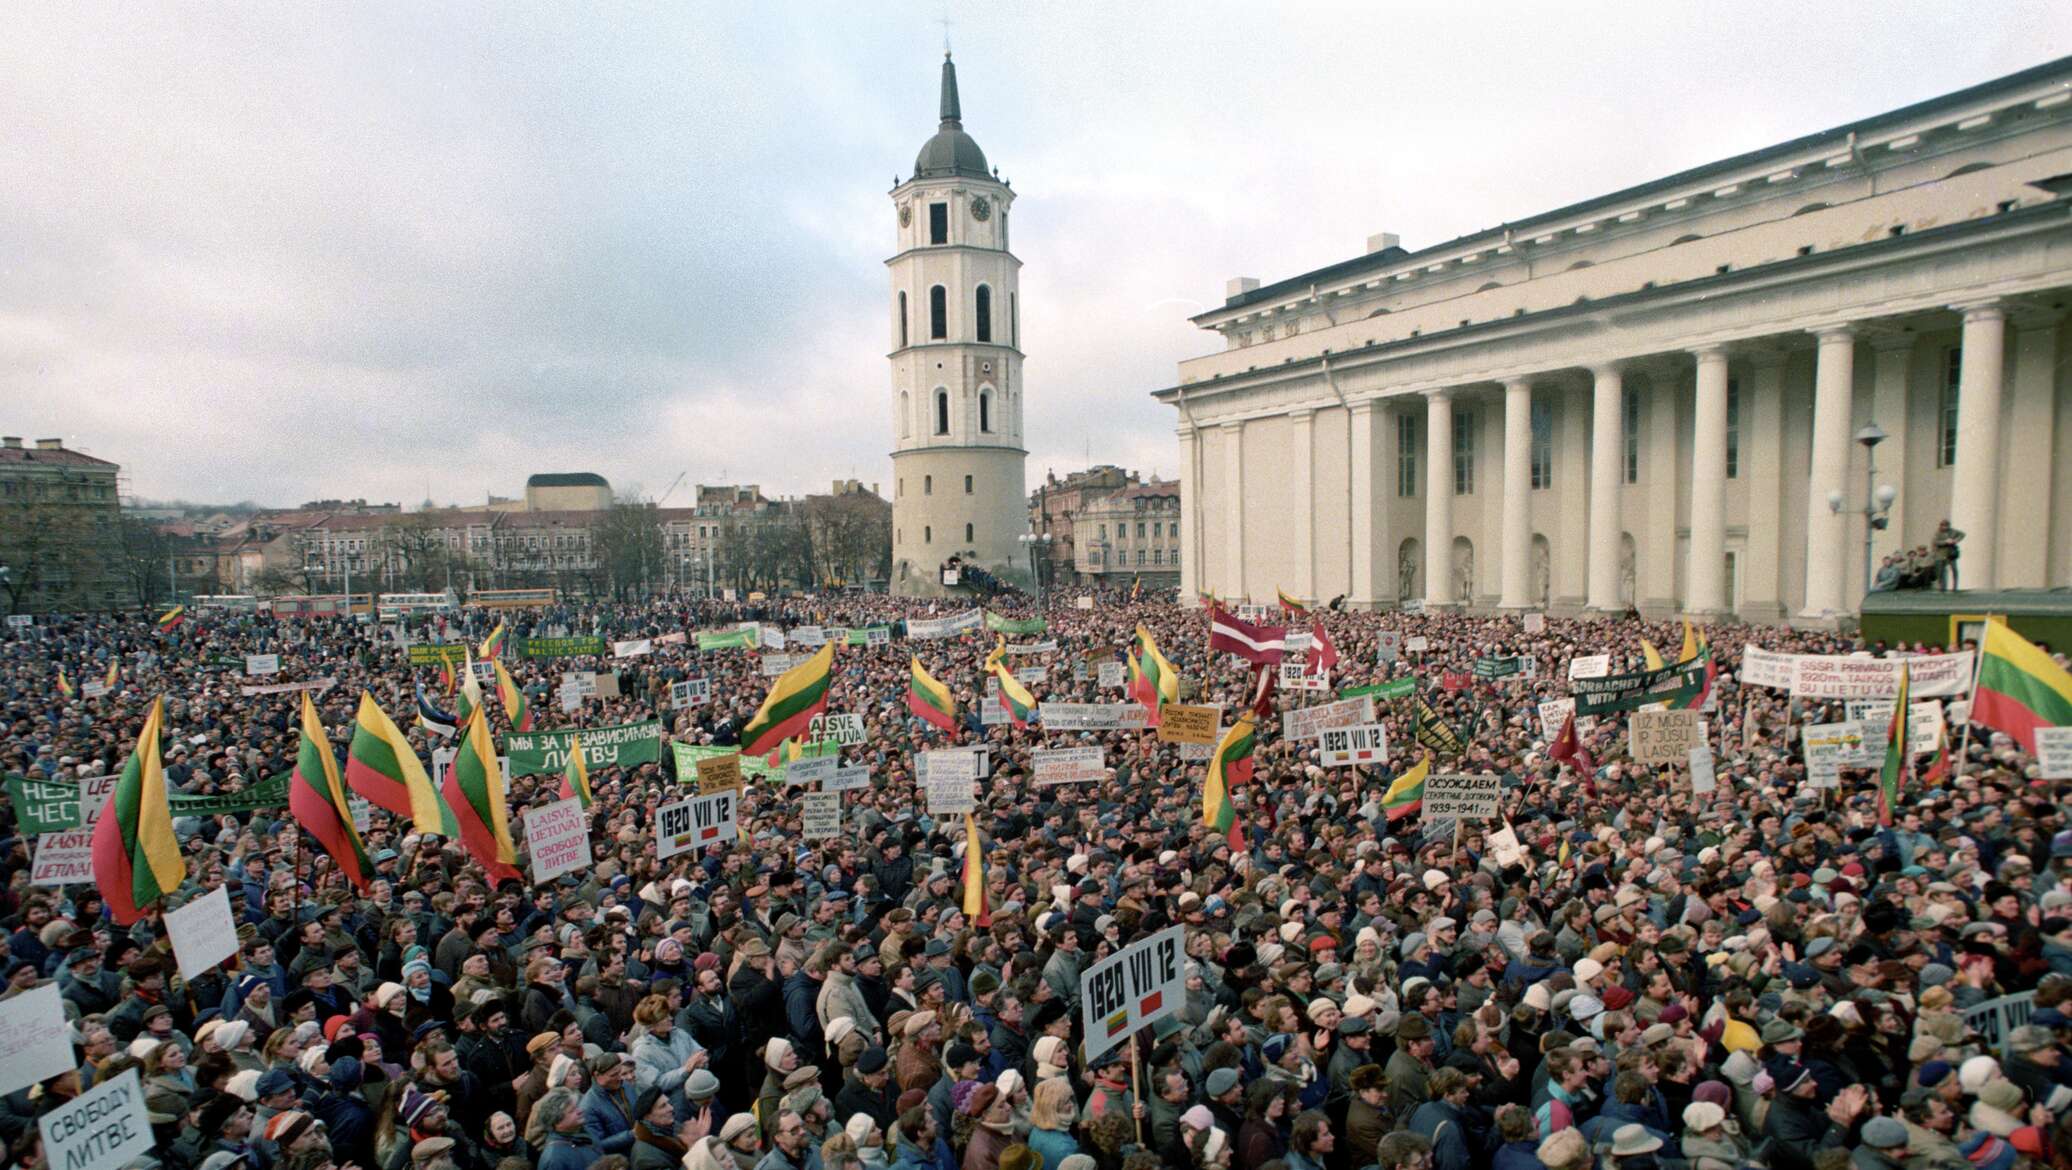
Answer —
283 254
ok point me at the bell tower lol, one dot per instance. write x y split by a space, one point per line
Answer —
957 457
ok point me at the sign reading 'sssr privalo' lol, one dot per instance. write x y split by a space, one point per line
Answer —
1137 986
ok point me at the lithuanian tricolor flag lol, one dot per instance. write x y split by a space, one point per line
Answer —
171 617
114 673
136 857
1898 753
65 686
469 698
382 767
316 799
2019 688
1156 682
1652 656
1692 643
575 779
474 790
975 907
798 695
1405 797
1015 698
1290 604
493 645
928 699
1229 767
516 709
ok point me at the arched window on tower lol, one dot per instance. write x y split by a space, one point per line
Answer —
906 413
985 313
1014 320
902 319
942 412
967 534
985 411
939 313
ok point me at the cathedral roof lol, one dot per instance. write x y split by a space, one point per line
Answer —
951 151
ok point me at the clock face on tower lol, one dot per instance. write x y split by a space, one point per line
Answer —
981 208
906 214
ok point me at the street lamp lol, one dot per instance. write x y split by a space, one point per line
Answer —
1877 498
1038 545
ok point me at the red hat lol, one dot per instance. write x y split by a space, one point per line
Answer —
1617 998
331 1027
912 1098
705 962
1323 942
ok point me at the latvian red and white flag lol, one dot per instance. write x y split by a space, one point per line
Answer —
1322 654
1259 645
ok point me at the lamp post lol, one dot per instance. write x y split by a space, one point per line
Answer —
1038 545
1877 498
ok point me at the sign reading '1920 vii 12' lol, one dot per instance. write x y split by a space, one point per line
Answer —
1137 986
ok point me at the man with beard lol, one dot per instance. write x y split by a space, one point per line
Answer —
499 1060
466 1097
713 1021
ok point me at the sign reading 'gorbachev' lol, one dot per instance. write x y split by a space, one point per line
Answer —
1135 987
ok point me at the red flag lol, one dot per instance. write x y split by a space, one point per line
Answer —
1258 645
1568 748
1454 680
1322 654
1262 690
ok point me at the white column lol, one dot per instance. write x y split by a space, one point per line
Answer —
2027 505
1234 511
1706 586
1515 560
1438 538
1607 462
1975 496
1762 465
1834 379
1361 455
1190 517
1304 470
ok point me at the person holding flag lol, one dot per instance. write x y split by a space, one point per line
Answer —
575 776
137 859
316 799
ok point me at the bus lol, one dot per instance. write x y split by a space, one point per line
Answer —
511 598
396 606
322 605
232 602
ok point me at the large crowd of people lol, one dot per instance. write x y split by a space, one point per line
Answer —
1759 975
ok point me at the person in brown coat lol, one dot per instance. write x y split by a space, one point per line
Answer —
919 1067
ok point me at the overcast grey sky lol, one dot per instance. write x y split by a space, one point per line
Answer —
286 251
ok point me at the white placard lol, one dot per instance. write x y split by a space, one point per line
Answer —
981 753
950 797
1847 676
634 648
93 688
1072 765
813 636
1109 674
1082 603
1535 623
1343 747
1196 753
1048 646
1417 644
1297 641
63 859
362 810
260 665
846 779
691 692
1094 716
22 621
203 933
713 817
1765 668
1590 666
1924 722
927 629
105 1127
1295 676
1554 713
35 1041
442 759
1828 747
772 638
571 699
558 836
1700 761
673 833
1299 723
775 663
582 682
1457 795
1029 675
950 765
846 730
811 770
2054 752
1136 986
1662 737
821 816
1388 647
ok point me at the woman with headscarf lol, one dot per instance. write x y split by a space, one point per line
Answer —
1052 1057
779 1059
862 1130
992 1130
425 1001
742 1140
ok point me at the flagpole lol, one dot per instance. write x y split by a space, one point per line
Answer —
1978 670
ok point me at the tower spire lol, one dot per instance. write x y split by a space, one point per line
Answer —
951 115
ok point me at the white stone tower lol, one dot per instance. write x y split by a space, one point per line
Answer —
957 458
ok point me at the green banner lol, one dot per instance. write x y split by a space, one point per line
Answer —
1675 685
1004 625
1399 688
862 637
730 640
433 653
536 752
1493 667
52 806
560 647
752 767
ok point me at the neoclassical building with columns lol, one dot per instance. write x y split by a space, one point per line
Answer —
1659 397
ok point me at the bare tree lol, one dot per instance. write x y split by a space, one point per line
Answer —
626 546
147 552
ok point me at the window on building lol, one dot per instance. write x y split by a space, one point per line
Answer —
942 412
1630 409
938 313
1014 319
1733 427
938 223
1406 455
1158 556
967 485
902 319
967 534
984 309
1140 530
1104 532
985 411
1140 556
1946 409
1464 453
1158 528
927 534
1542 416
927 485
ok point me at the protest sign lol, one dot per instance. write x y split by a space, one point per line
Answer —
105 1127
1417 644
633 648
1828 748
1490 666
847 778
2054 752
1343 747
1388 646
1590 666
1072 765
203 932
810 636
1082 603
809 770
318 685
1504 843
775 663
436 654
1093 716
719 773
846 730
1299 723
94 688
1700 761
260 665
1554 713
1133 988
950 765
728 640
1662 737
1765 668
1924 722
1002 624
950 797
35 1040
926 629
1296 676
1029 675
713 817
558 837
1395 688
1848 676
52 806
981 766
560 647
1181 723
673 833
773 638
691 692
1107 674
626 744
63 858
23 621
1460 796
820 816
1535 623
583 682
1676 685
